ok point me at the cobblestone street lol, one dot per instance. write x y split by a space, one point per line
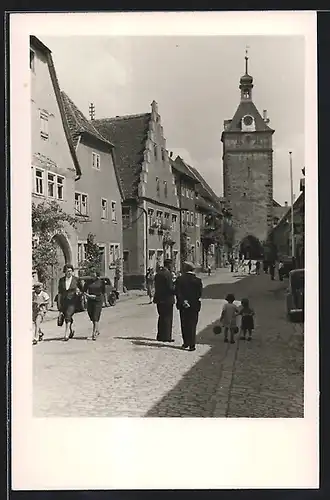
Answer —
127 373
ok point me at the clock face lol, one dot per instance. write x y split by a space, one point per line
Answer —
248 120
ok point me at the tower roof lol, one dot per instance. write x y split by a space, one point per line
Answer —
247 108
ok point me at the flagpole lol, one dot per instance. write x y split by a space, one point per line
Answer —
292 223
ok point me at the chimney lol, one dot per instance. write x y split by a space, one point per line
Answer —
171 154
264 115
285 203
91 111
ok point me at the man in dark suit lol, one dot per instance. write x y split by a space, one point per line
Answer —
188 291
164 299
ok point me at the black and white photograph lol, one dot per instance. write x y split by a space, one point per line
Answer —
167 235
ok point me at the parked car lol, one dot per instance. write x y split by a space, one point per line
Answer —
111 295
295 298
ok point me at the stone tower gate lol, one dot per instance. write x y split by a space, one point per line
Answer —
248 168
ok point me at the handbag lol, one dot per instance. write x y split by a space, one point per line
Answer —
60 319
217 329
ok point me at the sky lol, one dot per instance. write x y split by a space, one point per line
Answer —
194 80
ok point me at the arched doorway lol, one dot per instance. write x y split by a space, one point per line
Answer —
251 248
64 256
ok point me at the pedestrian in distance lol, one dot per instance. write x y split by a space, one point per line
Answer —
188 292
69 289
40 303
150 282
265 266
228 318
280 270
232 263
209 270
249 266
94 291
272 270
247 323
164 300
258 267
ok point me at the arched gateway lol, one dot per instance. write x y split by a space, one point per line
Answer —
251 248
64 256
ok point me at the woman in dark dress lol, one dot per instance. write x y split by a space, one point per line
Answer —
69 287
94 292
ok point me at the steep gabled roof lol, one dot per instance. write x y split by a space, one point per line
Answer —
183 168
247 108
208 191
77 122
128 134
38 45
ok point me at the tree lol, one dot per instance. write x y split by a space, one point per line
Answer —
48 219
93 257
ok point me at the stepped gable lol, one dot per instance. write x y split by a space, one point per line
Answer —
128 134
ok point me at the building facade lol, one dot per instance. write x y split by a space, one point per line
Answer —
54 167
98 195
186 187
150 210
248 172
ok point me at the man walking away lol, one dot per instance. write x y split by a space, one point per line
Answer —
258 267
232 262
188 291
249 266
164 299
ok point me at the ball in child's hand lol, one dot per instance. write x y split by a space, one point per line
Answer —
217 330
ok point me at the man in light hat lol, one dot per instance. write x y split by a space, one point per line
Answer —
40 301
188 291
164 299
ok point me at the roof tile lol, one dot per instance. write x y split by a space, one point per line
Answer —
128 134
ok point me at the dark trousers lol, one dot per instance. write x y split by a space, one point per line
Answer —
165 321
189 319
272 272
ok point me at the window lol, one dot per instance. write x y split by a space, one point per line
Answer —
165 189
32 60
126 214
104 208
60 187
51 184
113 212
163 155
150 216
192 218
196 219
155 151
39 181
114 254
157 186
159 216
44 133
81 252
174 221
81 203
96 161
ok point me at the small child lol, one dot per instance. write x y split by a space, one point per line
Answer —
247 324
228 318
40 302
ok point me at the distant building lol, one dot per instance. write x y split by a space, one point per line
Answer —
186 185
54 164
150 209
248 171
98 194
